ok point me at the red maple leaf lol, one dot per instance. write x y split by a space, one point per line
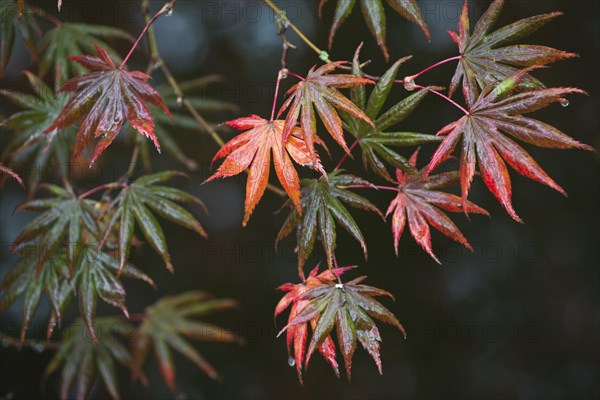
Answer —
253 149
297 335
107 96
319 91
495 111
419 203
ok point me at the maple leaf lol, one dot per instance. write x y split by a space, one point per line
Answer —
137 203
172 319
320 90
24 280
14 20
298 334
375 143
486 60
29 143
374 15
349 307
64 216
68 39
83 360
419 203
108 95
322 206
253 149
495 111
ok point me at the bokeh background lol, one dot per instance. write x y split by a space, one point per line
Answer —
517 318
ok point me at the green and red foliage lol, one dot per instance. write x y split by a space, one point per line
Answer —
78 247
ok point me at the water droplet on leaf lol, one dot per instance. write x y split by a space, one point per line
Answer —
169 12
564 102
291 362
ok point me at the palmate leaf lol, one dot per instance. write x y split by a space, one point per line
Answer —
374 15
139 202
24 280
419 201
167 325
197 94
497 111
298 334
322 207
69 39
253 149
64 217
13 20
486 58
350 308
29 144
109 95
84 361
320 91
97 276
375 143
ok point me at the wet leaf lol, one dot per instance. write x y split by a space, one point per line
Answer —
14 21
322 208
320 91
349 308
486 57
107 97
252 150
139 202
496 112
419 204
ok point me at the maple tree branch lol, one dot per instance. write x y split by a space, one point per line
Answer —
156 61
37 345
286 22
167 8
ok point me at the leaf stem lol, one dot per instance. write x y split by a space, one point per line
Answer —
112 185
321 53
443 96
437 64
346 155
390 188
165 9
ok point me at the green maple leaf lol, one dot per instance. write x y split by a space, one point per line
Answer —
167 325
83 360
322 207
375 143
139 202
29 143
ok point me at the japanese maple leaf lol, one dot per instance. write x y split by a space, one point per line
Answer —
108 95
419 203
349 307
319 91
253 149
298 334
484 58
374 16
495 111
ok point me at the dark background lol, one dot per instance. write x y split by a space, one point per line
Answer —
517 318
